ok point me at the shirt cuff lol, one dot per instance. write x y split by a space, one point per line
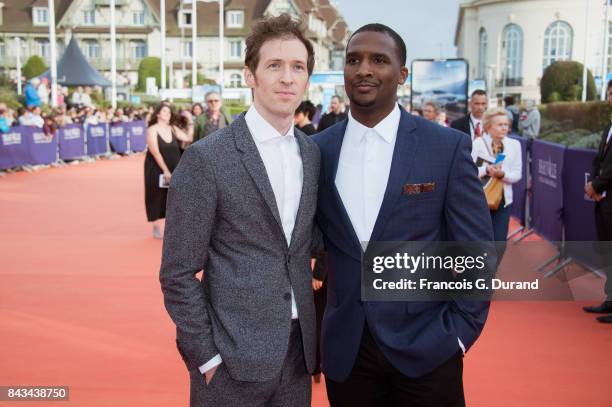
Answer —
214 362
461 345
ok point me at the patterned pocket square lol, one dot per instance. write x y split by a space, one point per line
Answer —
411 189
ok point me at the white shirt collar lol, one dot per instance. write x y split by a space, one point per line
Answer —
473 119
260 129
386 128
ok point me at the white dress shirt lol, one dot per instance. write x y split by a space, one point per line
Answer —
283 161
363 170
364 166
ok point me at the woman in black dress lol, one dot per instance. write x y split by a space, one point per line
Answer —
163 154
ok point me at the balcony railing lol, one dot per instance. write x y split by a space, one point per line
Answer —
98 63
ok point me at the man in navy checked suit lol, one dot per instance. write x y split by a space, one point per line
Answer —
393 353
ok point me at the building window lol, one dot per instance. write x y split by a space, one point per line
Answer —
139 49
482 54
185 18
2 49
235 19
42 48
40 15
187 49
236 49
513 51
557 43
89 17
92 49
138 18
235 80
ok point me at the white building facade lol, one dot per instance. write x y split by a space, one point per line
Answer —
509 43
138 25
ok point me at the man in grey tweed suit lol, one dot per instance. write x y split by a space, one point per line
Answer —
240 207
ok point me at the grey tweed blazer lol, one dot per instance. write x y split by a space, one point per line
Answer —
222 218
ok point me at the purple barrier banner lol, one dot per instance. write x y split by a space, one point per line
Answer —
42 147
13 149
519 189
118 134
96 139
548 160
578 208
138 135
71 141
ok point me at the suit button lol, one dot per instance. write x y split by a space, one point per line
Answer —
287 296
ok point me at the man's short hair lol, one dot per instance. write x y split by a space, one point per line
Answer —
509 100
337 97
273 28
212 92
307 108
400 45
610 84
478 92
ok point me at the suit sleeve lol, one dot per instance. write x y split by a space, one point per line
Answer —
319 254
467 219
190 216
603 181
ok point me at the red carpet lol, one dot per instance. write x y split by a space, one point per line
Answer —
80 305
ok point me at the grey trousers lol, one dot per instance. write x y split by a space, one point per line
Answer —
291 387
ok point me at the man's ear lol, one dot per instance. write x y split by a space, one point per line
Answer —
403 75
249 78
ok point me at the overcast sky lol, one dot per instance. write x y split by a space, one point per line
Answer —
427 26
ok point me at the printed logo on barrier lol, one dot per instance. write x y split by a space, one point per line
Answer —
116 131
137 130
41 138
72 134
10 139
97 131
547 172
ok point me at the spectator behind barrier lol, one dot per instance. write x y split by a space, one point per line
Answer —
529 123
485 151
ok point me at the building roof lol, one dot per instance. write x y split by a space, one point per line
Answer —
17 15
472 4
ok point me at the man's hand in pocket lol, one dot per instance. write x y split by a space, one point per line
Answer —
209 374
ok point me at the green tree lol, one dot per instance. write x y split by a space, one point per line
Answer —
562 81
201 80
34 67
149 67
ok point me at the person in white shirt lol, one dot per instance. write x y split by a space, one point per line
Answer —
240 207
32 117
487 148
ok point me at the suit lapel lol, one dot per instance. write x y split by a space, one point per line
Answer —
603 149
332 157
309 184
404 153
254 165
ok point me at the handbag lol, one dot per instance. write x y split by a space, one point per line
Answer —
494 192
493 189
